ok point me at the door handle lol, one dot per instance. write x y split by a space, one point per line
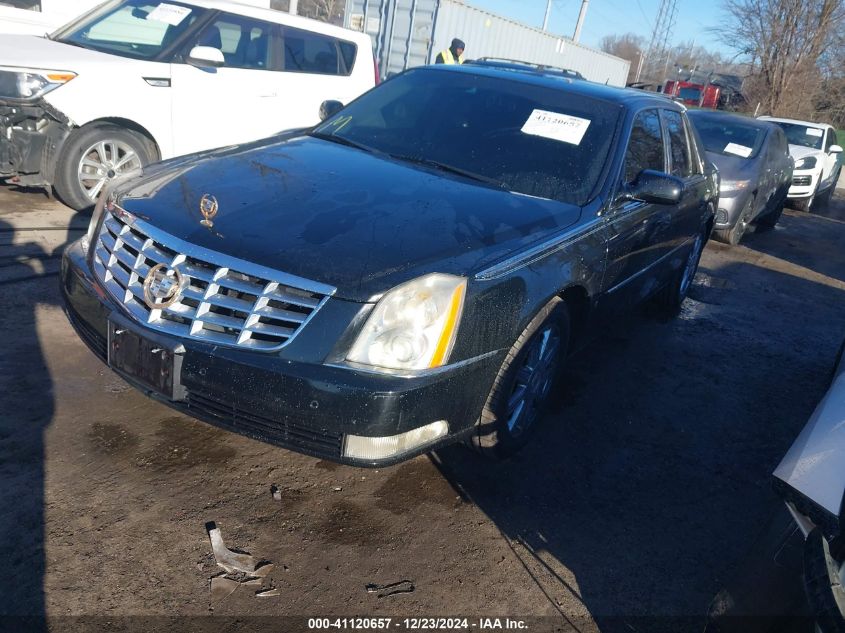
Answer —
269 94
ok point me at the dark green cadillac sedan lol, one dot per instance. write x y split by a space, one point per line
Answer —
412 272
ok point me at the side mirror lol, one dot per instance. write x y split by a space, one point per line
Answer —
206 57
655 187
835 149
329 108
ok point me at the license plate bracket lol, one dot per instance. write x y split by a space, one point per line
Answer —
154 366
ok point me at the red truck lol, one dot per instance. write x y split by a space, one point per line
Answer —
695 94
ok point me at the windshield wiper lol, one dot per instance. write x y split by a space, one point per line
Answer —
428 162
340 140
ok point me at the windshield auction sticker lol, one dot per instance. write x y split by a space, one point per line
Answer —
171 14
558 127
814 131
738 150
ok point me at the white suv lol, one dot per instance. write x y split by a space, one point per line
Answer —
136 81
816 154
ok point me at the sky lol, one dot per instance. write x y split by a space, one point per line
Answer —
614 17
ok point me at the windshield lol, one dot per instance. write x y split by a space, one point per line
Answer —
539 141
690 94
802 135
140 29
727 136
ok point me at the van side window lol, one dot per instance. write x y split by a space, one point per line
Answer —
678 144
244 42
307 52
645 147
831 139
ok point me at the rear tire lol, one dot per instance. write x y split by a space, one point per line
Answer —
528 375
670 299
770 220
95 154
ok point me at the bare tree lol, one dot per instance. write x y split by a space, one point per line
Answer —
323 10
784 41
628 46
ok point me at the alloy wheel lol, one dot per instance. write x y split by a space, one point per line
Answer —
533 380
104 161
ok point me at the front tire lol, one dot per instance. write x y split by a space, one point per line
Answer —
521 390
95 154
733 235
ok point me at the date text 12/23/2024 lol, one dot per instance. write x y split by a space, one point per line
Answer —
418 624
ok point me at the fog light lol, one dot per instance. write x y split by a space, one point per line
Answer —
371 448
721 216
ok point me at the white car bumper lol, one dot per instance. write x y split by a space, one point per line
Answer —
804 182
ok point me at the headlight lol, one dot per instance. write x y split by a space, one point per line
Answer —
413 326
808 162
31 84
734 186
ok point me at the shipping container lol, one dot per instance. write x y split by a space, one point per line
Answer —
410 33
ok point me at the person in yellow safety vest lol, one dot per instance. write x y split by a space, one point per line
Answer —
452 55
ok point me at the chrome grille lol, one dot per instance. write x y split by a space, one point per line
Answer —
225 300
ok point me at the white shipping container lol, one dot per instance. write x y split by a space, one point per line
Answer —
409 33
489 35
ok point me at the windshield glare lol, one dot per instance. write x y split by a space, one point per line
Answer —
802 135
489 127
728 137
140 29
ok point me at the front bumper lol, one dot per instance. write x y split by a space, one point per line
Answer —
804 183
303 406
729 210
31 137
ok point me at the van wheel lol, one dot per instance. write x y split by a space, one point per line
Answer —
94 155
521 391
669 299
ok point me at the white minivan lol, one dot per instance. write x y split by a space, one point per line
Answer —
136 81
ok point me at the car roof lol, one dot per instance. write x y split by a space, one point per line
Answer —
795 121
628 97
761 124
279 17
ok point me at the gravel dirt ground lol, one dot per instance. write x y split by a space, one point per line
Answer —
642 498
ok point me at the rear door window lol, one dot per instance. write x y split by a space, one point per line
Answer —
679 150
309 52
645 146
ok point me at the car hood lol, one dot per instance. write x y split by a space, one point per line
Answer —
815 464
338 215
799 151
734 167
32 51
